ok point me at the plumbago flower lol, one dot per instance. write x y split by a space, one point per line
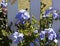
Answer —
42 35
31 44
37 42
56 41
4 4
55 14
17 37
36 31
47 12
51 11
51 34
22 16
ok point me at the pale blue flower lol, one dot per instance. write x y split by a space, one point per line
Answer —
36 31
48 11
22 15
32 44
17 37
37 42
55 14
42 35
50 37
4 5
51 34
56 41
47 43
17 40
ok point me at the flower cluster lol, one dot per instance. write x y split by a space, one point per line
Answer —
51 35
52 11
33 37
3 4
17 37
22 16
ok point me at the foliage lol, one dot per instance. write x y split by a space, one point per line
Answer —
4 40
